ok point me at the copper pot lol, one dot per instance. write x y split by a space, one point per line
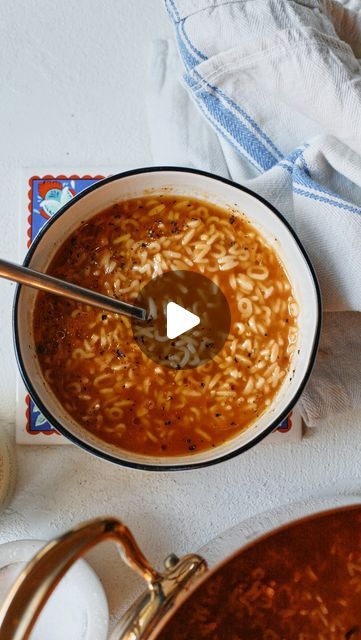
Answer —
302 580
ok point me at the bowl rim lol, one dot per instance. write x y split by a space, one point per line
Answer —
188 465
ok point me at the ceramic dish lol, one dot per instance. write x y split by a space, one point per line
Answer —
80 594
221 192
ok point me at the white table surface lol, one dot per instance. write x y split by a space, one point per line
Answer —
73 78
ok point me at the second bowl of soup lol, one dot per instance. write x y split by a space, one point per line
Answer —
130 393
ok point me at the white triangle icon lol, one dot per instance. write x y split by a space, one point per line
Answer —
179 320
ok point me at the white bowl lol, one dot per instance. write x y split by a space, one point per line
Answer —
188 182
76 610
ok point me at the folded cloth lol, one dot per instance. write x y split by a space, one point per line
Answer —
277 84
335 383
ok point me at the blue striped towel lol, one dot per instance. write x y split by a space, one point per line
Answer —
275 88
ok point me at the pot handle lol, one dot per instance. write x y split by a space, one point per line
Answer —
39 578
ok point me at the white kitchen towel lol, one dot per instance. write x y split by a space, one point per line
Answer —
277 84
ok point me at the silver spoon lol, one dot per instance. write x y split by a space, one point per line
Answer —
42 281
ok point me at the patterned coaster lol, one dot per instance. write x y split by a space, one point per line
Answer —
42 198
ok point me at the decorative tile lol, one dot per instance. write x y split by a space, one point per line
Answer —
44 195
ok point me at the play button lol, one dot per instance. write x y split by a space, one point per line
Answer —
179 320
188 320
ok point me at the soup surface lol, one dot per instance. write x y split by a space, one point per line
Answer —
93 362
302 583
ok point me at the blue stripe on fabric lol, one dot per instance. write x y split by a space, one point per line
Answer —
295 154
305 180
237 131
188 58
335 203
243 113
302 175
176 12
304 165
190 61
222 132
201 55
170 10
286 166
230 140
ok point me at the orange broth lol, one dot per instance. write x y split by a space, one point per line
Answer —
95 367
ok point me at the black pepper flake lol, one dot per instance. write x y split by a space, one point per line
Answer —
104 316
192 447
203 384
120 354
232 220
218 415
167 422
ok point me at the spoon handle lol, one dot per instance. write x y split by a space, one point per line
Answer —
42 281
